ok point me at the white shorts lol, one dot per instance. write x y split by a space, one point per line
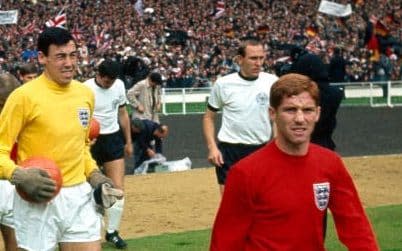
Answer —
70 217
6 203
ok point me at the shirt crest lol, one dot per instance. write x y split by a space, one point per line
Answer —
262 98
321 195
83 116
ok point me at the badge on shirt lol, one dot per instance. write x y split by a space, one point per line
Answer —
83 116
321 195
262 99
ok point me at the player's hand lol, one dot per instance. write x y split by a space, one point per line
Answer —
215 157
35 182
128 149
92 142
151 153
104 193
140 108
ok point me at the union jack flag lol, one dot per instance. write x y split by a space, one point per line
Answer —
219 9
76 33
58 21
29 28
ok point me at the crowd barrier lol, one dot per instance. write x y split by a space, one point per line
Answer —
375 94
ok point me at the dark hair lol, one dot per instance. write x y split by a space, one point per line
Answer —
53 35
156 78
312 66
292 84
109 68
244 42
28 68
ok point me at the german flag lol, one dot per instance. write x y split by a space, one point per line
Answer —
229 32
311 31
381 29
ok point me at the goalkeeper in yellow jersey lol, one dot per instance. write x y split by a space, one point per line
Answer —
49 117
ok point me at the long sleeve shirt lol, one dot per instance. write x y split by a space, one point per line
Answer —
51 121
275 201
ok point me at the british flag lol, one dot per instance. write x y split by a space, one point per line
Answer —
58 21
29 28
219 9
76 33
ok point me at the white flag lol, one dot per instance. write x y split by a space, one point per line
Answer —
9 17
139 7
335 9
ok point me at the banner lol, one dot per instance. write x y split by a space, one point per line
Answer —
335 9
9 17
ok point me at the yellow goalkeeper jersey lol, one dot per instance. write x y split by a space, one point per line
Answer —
51 121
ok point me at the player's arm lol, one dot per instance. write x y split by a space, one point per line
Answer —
9 129
36 183
132 94
125 126
208 125
352 224
234 216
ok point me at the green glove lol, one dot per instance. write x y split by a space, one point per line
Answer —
104 193
35 182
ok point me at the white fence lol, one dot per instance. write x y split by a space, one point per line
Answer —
372 91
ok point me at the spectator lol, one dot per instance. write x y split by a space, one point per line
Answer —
145 97
68 104
312 66
243 98
113 143
27 72
175 37
337 69
144 133
276 197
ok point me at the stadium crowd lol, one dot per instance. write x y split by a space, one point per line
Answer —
191 44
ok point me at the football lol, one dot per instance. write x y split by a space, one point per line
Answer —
94 129
45 164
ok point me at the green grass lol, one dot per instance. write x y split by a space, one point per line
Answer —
366 101
387 223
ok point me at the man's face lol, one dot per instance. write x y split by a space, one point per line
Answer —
251 63
60 63
105 81
295 119
28 77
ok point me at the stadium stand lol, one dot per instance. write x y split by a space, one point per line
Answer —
190 42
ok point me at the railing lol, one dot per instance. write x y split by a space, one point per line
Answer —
193 100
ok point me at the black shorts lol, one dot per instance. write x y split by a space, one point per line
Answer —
108 147
232 153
